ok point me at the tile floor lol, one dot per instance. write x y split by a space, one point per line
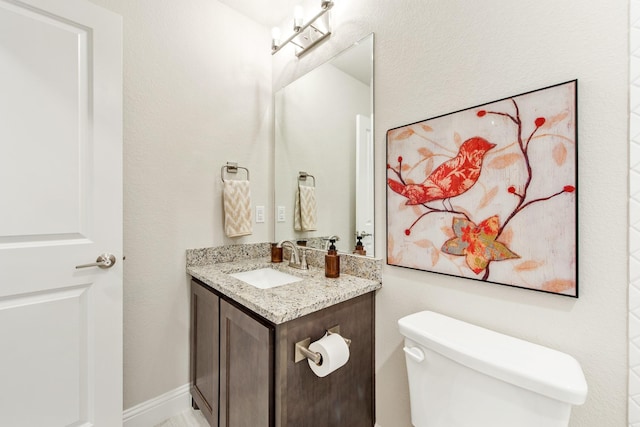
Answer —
190 418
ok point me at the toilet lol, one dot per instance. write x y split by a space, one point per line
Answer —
462 375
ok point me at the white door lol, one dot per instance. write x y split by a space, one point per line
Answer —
364 182
60 206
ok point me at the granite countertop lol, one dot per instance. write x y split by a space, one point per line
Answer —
286 302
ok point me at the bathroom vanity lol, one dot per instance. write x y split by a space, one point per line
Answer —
243 368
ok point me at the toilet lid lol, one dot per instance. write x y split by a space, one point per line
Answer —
522 363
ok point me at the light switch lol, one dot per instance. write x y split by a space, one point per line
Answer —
259 213
281 213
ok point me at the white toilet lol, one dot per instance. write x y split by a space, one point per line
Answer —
462 375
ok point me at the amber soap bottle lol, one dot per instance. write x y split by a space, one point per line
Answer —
360 247
332 262
276 253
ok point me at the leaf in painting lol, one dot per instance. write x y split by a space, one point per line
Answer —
425 152
428 168
555 119
459 224
426 128
423 243
476 263
496 251
404 134
504 161
447 231
392 258
528 265
559 154
457 139
488 197
506 236
558 285
477 243
455 246
435 257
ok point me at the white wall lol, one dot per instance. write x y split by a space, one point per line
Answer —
197 93
432 58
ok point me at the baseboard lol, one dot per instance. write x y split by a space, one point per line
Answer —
158 409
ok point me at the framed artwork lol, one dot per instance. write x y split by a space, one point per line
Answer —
490 192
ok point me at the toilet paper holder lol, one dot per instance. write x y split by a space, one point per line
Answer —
302 351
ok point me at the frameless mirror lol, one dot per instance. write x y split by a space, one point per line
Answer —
324 153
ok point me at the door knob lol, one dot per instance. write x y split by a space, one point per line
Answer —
103 261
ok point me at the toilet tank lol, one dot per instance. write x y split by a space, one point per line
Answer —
463 375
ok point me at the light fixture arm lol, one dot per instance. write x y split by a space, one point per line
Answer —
326 5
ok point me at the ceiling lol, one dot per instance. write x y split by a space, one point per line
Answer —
270 13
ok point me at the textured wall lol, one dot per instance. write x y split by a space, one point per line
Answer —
197 93
433 58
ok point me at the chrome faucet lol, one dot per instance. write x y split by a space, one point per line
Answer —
296 261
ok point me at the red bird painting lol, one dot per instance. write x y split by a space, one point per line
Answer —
452 209
452 178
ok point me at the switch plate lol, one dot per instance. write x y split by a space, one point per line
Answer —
259 213
281 213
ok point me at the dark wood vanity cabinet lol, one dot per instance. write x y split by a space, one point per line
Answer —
259 382
346 396
231 362
246 369
204 369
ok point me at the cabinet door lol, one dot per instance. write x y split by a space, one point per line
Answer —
246 370
205 310
344 398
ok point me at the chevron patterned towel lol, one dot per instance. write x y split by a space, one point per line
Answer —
237 208
305 209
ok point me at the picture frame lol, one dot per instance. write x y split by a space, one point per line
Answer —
489 192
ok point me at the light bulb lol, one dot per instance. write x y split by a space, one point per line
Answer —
298 16
275 35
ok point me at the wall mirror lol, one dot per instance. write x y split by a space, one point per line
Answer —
324 153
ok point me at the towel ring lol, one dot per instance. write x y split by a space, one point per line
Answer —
302 176
232 167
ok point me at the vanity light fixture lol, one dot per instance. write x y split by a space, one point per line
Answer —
305 35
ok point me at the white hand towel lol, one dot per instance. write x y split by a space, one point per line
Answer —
305 209
237 208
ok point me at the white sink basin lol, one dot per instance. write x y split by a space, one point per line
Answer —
266 278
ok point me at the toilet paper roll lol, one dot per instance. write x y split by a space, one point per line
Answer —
334 351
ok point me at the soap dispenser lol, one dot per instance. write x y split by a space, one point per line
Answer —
360 250
332 261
